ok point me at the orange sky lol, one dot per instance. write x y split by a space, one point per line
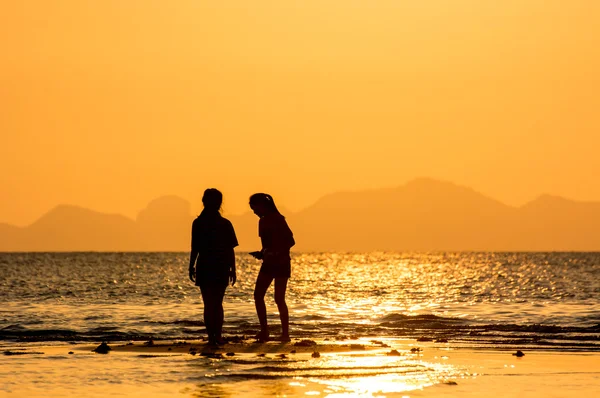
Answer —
109 104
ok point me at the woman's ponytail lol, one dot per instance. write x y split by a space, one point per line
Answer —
266 200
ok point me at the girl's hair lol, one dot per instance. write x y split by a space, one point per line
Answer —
266 200
212 199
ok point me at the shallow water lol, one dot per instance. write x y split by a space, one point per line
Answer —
537 299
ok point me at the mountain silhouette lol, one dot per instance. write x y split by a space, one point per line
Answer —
561 224
165 224
423 215
73 228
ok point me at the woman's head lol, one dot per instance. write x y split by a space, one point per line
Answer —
263 204
212 199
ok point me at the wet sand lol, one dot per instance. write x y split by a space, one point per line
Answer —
369 368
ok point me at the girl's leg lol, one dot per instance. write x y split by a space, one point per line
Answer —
262 284
219 316
280 288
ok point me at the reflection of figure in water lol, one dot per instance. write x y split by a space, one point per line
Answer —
212 261
277 239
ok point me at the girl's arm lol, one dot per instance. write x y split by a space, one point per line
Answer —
193 255
289 236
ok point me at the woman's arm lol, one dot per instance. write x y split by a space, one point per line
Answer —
232 273
192 270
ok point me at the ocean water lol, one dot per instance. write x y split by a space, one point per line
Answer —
56 306
486 299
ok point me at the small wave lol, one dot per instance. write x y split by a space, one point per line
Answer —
13 328
538 328
98 334
103 329
181 322
309 318
417 318
22 332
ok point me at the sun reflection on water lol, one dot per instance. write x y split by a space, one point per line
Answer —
372 374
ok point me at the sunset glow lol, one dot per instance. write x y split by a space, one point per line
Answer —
110 104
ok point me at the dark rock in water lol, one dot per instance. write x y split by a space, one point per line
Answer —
393 353
442 340
340 338
354 337
451 383
192 351
316 354
377 342
519 354
149 343
102 348
415 350
214 355
130 343
71 353
424 339
357 346
293 352
169 349
305 343
326 339
282 356
262 354
230 354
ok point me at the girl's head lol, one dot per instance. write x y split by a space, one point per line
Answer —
263 204
212 199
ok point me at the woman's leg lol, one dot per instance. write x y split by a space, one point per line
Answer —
208 311
280 288
219 315
262 284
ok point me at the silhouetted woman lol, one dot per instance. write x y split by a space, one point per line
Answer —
212 261
277 239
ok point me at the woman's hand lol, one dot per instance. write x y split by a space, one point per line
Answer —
193 274
232 277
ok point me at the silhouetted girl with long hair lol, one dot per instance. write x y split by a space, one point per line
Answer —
277 239
212 261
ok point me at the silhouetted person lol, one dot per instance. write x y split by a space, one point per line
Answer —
212 261
277 239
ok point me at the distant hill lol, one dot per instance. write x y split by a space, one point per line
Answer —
421 215
72 228
424 214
